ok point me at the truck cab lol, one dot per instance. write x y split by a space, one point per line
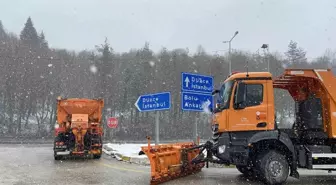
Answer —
252 96
245 132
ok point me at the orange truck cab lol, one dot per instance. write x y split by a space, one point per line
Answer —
78 130
246 134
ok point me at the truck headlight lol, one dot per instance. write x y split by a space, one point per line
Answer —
221 149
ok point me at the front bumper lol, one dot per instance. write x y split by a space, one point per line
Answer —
226 150
64 150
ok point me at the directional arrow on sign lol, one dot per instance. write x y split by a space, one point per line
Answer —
137 103
187 82
206 104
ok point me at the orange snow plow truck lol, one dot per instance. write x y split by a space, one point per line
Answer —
246 134
78 131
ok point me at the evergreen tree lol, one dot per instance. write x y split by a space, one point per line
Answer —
43 42
3 34
29 34
200 50
296 56
104 66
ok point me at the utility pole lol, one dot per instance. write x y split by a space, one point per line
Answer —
229 41
264 47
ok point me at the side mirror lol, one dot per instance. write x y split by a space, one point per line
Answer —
216 109
240 96
215 92
217 105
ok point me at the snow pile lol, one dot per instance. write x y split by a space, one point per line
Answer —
131 150
126 152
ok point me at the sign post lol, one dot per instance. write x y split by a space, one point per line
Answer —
157 128
196 95
154 102
195 130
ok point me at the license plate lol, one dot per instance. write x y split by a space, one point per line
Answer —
63 153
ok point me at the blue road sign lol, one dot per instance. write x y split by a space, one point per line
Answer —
196 102
197 83
153 102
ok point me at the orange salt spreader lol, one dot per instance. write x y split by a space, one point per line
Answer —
78 130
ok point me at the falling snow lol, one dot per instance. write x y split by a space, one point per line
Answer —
93 69
152 63
125 77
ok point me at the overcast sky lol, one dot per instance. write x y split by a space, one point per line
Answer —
81 24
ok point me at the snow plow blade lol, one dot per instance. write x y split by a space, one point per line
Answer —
171 161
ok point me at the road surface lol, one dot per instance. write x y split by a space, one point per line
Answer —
28 164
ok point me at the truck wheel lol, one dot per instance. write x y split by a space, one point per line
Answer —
245 170
57 157
97 156
273 168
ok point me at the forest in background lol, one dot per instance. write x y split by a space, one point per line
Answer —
33 75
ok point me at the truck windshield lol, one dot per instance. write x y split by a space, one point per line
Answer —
225 94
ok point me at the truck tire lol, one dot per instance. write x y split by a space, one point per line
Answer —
272 168
57 157
97 156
